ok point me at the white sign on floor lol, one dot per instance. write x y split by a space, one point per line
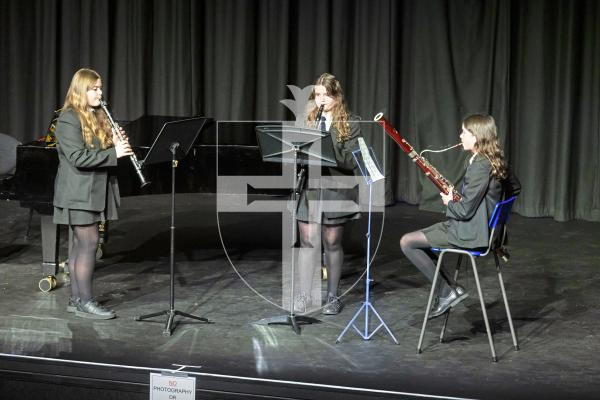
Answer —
172 387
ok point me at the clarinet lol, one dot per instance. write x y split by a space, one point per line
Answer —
434 176
117 131
302 172
319 113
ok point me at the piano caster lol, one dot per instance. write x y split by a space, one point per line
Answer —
47 283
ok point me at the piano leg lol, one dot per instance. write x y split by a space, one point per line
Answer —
50 245
29 224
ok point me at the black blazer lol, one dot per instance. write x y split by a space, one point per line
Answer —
468 218
83 172
346 166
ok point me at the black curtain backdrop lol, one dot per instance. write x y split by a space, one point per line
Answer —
534 65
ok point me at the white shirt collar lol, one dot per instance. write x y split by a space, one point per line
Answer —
328 120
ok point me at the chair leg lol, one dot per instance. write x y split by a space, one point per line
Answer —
483 310
431 293
444 325
509 316
458 263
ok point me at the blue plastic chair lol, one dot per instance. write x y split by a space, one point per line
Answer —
497 225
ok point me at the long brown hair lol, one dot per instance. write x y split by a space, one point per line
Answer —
94 122
483 127
339 111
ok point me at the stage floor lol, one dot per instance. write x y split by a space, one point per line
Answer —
552 281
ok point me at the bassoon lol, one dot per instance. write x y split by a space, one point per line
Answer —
434 176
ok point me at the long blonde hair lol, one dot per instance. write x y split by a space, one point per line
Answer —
94 122
339 112
483 127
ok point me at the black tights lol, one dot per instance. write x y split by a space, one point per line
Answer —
331 236
82 260
415 247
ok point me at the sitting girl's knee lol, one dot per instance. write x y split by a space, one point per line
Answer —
403 241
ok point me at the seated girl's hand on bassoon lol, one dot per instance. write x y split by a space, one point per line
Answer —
446 198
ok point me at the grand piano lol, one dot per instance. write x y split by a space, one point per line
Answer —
37 163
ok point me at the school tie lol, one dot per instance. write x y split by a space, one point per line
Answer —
323 125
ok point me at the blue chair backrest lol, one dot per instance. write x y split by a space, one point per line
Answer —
501 212
497 225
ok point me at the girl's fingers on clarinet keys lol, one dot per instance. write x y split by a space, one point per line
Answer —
123 149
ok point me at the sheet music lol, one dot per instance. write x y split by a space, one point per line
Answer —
369 163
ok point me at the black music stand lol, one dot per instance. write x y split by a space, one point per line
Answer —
289 144
173 142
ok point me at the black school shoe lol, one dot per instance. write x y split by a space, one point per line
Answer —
333 306
301 304
72 305
93 310
446 303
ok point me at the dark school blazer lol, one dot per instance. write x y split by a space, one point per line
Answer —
83 172
468 218
346 166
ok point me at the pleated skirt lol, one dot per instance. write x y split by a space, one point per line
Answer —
437 234
68 216
312 212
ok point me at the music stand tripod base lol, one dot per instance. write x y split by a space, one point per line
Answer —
168 331
295 321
